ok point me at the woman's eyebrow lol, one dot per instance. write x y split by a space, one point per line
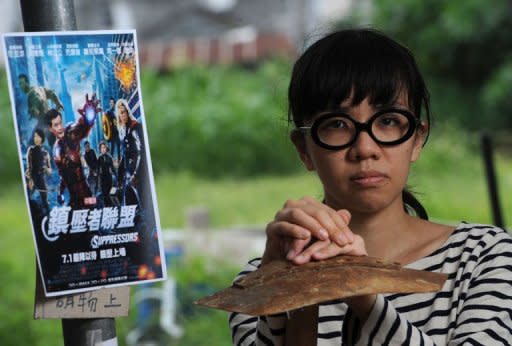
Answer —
376 107
390 105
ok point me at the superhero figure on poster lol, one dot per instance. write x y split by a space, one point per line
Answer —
66 151
105 172
92 163
132 169
37 104
110 131
133 179
38 166
130 165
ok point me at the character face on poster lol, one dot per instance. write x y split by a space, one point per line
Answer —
84 156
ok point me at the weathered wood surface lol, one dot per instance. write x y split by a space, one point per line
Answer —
282 286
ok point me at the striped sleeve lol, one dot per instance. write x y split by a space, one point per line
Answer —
483 311
486 315
256 330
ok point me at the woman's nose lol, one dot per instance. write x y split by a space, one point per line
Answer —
364 148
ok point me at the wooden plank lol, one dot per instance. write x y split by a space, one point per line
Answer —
281 286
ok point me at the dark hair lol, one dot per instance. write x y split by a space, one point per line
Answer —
23 76
103 143
50 115
40 133
359 63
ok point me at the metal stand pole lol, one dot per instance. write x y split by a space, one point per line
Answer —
89 332
491 179
48 15
57 15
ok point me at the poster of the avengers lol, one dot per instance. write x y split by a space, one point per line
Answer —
84 157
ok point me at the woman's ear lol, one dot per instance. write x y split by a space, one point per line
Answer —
419 140
299 141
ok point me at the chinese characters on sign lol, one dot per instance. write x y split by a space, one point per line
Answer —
107 302
84 220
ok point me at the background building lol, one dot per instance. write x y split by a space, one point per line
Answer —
175 32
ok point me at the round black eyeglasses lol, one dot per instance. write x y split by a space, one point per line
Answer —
337 130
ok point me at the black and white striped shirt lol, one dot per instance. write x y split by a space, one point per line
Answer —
473 308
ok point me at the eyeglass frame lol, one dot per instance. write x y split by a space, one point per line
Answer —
414 123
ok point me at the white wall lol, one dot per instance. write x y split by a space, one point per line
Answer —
10 21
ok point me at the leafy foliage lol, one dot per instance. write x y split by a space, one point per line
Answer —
220 121
461 46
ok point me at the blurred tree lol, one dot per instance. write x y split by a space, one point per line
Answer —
458 44
464 40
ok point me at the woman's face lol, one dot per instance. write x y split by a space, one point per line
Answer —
123 114
37 139
365 177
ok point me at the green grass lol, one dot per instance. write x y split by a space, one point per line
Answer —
231 202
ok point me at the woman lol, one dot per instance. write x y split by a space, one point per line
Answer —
360 109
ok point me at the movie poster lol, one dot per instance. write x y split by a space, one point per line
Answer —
84 155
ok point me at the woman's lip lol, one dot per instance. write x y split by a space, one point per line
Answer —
368 178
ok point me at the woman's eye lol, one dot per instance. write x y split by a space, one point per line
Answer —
389 120
336 124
